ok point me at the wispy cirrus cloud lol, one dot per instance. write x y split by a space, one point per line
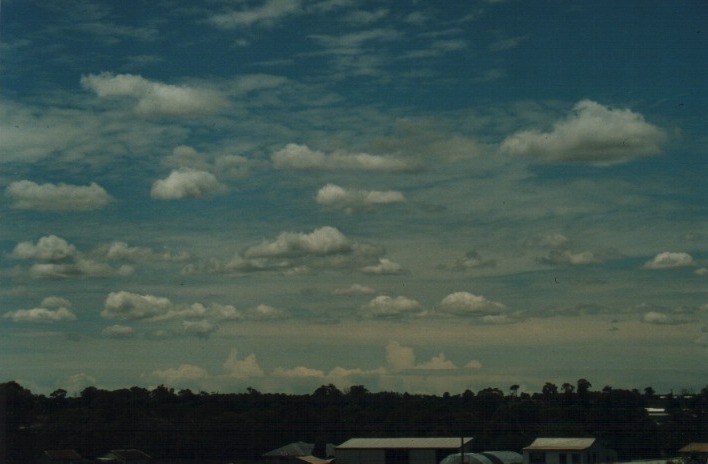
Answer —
265 14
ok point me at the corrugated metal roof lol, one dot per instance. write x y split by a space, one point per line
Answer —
541 444
695 448
409 443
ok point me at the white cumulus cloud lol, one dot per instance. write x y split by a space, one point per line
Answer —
468 304
352 200
388 307
50 249
40 315
593 134
126 305
242 369
668 259
155 98
323 241
186 183
384 267
181 374
118 331
26 194
294 156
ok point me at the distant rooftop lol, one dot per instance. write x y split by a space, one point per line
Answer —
404 443
695 448
550 444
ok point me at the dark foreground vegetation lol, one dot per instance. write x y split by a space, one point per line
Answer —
169 424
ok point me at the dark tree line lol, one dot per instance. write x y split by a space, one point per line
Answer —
183 424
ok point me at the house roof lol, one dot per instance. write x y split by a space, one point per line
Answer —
298 449
62 455
551 444
695 448
405 443
313 460
129 455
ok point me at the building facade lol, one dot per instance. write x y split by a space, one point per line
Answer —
567 451
399 450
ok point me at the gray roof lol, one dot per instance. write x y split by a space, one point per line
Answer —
404 443
297 449
550 444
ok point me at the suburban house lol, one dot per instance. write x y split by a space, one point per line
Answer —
695 453
125 456
298 453
567 451
399 450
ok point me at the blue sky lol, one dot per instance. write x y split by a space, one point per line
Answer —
411 196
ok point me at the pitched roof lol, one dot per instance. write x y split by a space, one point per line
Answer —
62 455
550 444
406 443
130 455
299 448
695 448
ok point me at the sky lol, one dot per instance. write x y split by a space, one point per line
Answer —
411 196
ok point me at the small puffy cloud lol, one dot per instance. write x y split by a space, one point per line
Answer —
387 307
352 201
265 14
437 363
265 312
127 306
565 257
186 183
80 268
49 249
118 331
659 318
155 98
473 365
702 271
384 267
668 260
298 372
61 197
242 369
323 241
200 329
468 304
55 258
184 373
472 260
121 251
40 315
401 358
51 309
592 134
354 289
297 253
295 156
551 240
